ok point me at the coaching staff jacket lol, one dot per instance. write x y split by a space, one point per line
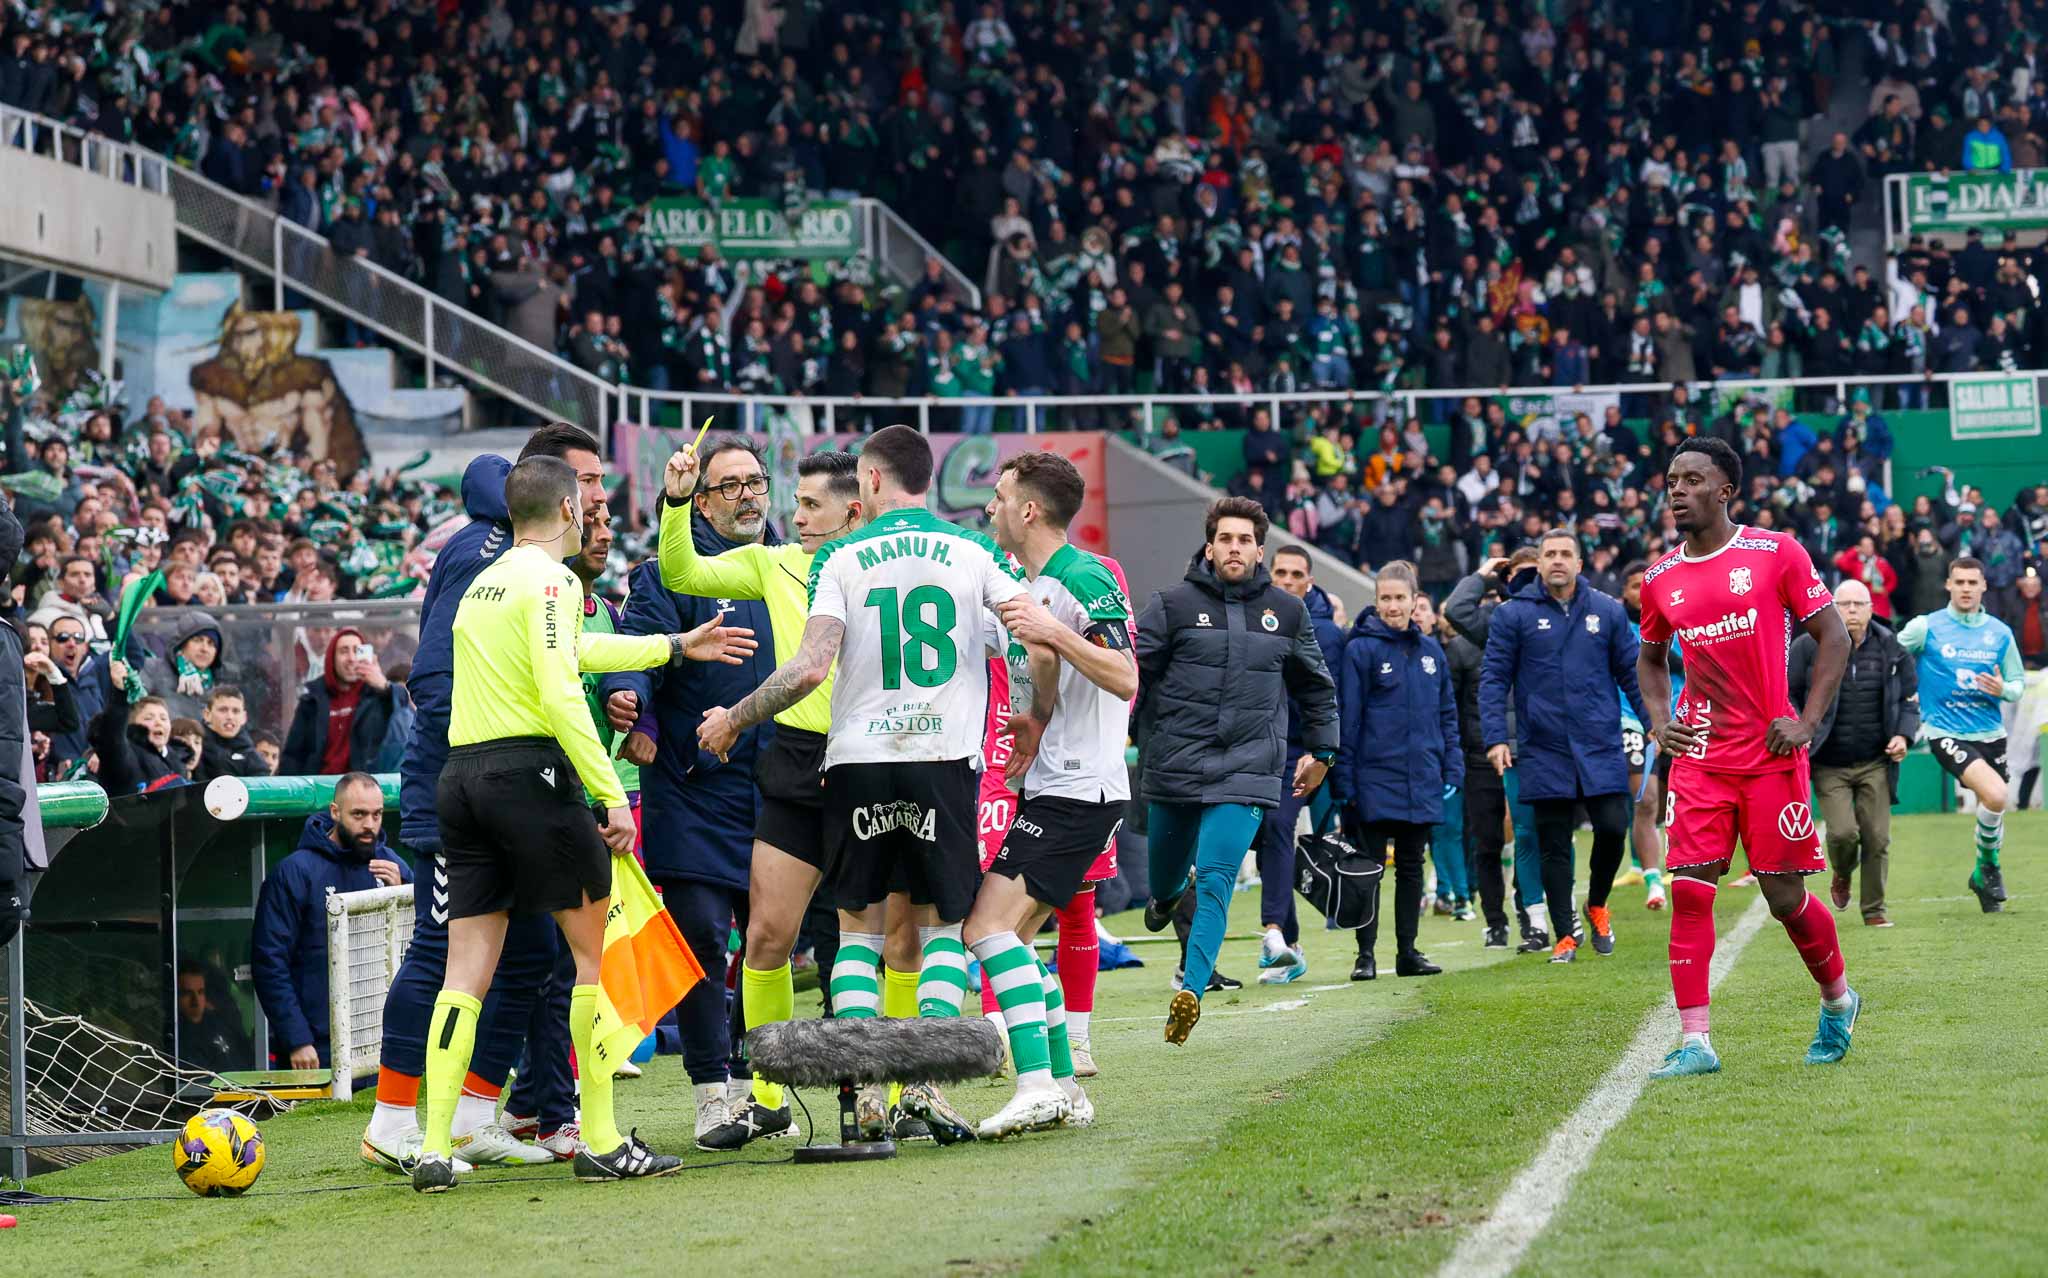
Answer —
1398 717
432 683
1216 666
1564 660
697 813
288 940
1322 615
1878 654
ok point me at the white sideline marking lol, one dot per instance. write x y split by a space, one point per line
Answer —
1284 1005
1497 1245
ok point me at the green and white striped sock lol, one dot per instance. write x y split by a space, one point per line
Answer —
1009 968
856 989
1057 1046
1990 837
942 984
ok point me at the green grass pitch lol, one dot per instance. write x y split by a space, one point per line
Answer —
1316 1128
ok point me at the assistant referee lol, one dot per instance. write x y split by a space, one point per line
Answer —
515 829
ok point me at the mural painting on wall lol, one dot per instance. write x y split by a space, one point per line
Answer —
258 389
60 335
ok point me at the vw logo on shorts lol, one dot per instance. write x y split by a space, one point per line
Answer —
1795 822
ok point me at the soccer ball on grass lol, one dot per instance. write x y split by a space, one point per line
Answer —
219 1154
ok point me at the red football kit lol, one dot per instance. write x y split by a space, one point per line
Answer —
1734 614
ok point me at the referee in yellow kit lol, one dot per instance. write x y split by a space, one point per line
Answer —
514 825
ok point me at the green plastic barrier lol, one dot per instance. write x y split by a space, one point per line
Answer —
71 805
237 798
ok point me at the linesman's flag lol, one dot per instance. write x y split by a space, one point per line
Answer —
646 970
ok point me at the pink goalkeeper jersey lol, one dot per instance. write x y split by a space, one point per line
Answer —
1735 613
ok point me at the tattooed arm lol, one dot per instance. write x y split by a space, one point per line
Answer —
792 681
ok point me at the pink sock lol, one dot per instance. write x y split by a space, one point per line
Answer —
1812 929
1079 952
988 995
1692 949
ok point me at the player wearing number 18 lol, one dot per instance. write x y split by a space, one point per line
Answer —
1739 762
905 606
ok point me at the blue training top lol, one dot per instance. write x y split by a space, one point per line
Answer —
467 553
1954 649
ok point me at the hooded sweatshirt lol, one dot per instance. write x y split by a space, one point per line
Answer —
171 676
338 727
342 697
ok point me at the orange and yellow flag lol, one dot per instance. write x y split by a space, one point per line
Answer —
647 968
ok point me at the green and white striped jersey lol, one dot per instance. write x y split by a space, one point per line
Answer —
916 595
1081 755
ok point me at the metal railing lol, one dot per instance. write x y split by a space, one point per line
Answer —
93 152
893 243
823 412
407 315
446 335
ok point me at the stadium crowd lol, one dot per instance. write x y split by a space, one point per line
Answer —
1175 196
121 519
1203 200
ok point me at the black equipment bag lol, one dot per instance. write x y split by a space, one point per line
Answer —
1342 882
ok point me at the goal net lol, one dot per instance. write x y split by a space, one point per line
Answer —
367 933
83 1079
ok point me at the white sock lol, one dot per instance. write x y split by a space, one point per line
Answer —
390 1124
1070 1087
1837 1004
1698 1040
1077 1026
1539 916
472 1112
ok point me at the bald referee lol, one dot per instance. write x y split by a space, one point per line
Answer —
515 830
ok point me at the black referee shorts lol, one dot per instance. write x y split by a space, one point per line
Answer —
517 832
907 827
790 774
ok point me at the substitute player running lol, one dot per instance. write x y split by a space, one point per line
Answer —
1969 667
905 607
1739 762
515 830
1075 786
